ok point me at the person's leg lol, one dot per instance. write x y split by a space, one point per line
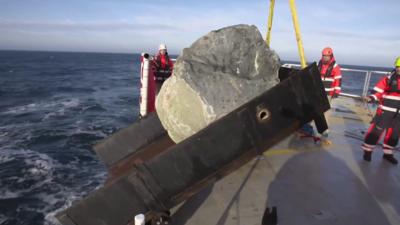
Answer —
390 142
158 87
371 139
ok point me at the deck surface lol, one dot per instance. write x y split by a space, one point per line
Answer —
308 183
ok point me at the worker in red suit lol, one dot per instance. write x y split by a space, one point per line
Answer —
330 73
163 66
387 118
331 77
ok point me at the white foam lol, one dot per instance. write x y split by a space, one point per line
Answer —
37 165
68 197
57 106
50 218
40 168
3 219
5 158
3 134
8 133
49 199
6 194
49 115
62 108
20 109
85 130
71 103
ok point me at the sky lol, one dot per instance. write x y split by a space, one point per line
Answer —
361 32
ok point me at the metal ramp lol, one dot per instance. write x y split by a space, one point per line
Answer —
308 183
141 182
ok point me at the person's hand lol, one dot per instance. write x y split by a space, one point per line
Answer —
368 99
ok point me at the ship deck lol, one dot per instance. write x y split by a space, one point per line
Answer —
308 183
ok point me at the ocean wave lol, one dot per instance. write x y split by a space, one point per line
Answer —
52 114
95 131
40 181
93 107
36 169
3 219
55 106
39 167
6 194
50 217
21 109
5 158
75 89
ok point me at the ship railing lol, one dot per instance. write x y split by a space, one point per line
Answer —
367 79
366 73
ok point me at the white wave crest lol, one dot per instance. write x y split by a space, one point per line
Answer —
54 106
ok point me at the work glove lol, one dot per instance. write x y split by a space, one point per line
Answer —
368 99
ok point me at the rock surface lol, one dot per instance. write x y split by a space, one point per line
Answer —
216 74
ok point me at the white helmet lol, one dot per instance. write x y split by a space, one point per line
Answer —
162 47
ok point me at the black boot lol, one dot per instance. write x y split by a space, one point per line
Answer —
367 156
390 158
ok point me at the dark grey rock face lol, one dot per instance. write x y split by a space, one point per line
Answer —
215 75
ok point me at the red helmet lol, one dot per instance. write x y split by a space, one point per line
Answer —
327 51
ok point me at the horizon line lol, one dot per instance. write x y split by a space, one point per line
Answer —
137 53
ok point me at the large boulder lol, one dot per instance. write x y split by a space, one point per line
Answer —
216 74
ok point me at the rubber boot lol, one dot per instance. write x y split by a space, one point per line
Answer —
390 158
367 156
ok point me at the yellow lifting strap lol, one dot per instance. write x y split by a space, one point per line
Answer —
298 36
270 19
296 28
